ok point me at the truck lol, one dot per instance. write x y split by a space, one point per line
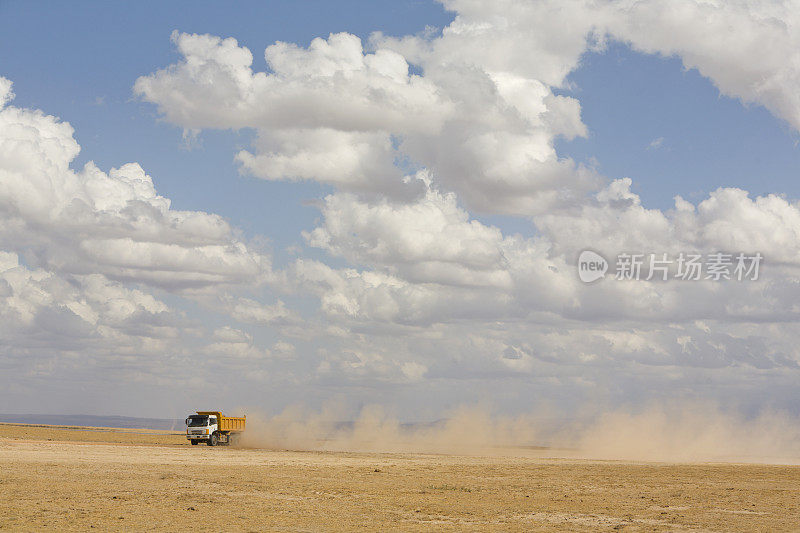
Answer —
213 428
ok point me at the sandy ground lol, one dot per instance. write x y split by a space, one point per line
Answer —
79 479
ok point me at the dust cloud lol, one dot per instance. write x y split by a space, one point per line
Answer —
692 433
467 430
683 432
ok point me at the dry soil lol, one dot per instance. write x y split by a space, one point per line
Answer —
77 479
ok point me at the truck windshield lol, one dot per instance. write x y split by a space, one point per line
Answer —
197 421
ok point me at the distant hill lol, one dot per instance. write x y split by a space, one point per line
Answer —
95 421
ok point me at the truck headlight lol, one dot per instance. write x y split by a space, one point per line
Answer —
206 432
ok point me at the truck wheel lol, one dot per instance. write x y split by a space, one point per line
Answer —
212 441
194 443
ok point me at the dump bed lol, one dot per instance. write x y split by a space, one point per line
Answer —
226 423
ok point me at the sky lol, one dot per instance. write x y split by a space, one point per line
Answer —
360 203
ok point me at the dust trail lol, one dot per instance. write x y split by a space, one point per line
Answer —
680 432
691 433
466 430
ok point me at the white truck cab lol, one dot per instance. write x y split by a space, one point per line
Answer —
202 428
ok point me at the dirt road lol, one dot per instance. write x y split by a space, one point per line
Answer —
71 479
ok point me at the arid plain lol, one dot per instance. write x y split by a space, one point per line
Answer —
78 479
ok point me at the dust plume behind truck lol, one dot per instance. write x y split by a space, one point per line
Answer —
212 427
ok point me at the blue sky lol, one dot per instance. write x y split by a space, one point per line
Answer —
339 286
710 140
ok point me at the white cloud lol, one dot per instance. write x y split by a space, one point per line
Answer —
113 223
251 311
428 262
417 239
324 113
328 113
332 84
749 49
229 334
85 257
6 94
234 344
362 161
482 118
728 219
42 309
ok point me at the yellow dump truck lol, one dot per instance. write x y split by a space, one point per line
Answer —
214 428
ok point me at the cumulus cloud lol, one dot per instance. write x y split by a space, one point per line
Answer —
728 220
6 94
87 258
416 238
429 262
331 112
330 84
235 344
251 311
362 161
113 223
483 116
324 113
43 310
748 49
